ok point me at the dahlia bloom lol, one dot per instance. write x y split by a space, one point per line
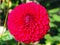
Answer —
28 22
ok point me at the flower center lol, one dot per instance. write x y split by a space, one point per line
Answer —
27 19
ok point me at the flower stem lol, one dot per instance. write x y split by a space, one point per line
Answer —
18 43
28 44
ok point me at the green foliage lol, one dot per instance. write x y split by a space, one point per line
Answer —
55 27
2 5
6 36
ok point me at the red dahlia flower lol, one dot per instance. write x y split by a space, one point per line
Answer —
28 22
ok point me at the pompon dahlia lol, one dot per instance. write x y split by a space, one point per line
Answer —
28 22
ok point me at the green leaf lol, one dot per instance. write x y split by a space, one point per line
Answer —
6 36
49 38
56 38
56 17
52 25
54 10
2 5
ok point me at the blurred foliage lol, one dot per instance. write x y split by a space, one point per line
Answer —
53 35
6 36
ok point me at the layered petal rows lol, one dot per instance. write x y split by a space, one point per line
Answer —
28 22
